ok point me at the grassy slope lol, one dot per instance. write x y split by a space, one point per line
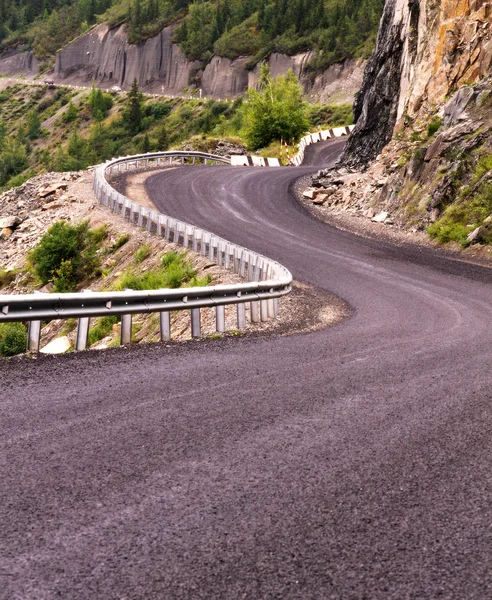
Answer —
73 145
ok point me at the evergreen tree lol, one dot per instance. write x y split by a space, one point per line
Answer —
133 114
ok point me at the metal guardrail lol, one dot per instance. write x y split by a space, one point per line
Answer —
267 280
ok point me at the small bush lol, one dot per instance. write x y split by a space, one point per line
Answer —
102 329
174 272
67 254
13 339
170 257
445 232
142 253
6 277
121 241
434 126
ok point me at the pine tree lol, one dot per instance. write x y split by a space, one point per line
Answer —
133 114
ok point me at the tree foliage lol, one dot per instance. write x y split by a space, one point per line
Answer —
133 114
334 29
274 111
67 254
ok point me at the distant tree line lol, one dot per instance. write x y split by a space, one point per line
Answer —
334 29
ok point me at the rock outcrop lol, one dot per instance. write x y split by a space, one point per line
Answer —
104 55
14 62
425 51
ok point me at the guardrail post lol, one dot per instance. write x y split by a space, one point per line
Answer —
211 249
148 225
33 336
255 311
185 237
227 256
203 245
165 323
275 307
264 310
194 241
271 308
126 329
82 330
250 268
167 233
242 264
195 322
220 318
236 260
241 316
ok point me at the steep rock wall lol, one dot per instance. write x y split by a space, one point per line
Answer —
425 51
104 55
15 62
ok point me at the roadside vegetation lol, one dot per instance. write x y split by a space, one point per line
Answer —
67 255
89 127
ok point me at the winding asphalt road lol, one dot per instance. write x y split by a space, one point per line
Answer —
349 463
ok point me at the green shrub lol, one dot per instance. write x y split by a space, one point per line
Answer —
445 232
274 111
170 257
67 254
175 272
6 276
121 241
434 126
142 253
102 328
71 113
330 115
13 339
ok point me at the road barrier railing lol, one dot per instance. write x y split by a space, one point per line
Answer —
265 280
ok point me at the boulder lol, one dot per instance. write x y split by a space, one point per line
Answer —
320 199
57 346
474 236
9 222
44 192
380 217
310 193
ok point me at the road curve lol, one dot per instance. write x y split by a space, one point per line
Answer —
349 463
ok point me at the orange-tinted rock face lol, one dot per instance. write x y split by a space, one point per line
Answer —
426 50
464 45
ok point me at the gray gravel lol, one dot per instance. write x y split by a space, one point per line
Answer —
348 463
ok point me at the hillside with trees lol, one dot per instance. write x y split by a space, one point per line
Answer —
333 29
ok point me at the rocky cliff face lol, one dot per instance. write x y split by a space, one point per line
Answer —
425 51
420 157
14 62
159 65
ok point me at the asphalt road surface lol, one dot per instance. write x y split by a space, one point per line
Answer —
349 463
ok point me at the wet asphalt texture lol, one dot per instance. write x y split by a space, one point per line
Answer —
349 463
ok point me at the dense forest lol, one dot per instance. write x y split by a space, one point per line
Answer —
335 29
